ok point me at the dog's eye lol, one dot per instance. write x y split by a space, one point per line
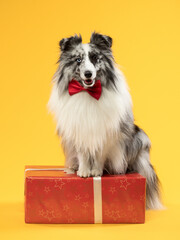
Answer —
78 60
95 58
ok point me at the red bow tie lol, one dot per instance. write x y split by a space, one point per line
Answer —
95 91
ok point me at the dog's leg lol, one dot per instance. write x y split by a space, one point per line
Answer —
84 165
71 161
97 165
116 162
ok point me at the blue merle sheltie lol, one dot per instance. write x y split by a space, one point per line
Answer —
99 134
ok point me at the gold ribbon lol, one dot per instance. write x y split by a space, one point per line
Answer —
44 169
97 199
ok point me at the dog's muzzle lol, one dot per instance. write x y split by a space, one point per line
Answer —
88 82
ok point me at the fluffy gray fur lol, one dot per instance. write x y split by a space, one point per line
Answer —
99 135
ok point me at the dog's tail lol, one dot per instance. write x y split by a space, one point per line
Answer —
143 166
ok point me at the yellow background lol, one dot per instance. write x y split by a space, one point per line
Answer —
146 45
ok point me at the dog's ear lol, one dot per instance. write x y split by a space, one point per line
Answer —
101 41
67 44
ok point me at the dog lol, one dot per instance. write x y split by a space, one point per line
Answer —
97 131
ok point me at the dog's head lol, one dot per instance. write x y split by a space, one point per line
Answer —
86 63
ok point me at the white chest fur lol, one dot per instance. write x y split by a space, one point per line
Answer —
88 122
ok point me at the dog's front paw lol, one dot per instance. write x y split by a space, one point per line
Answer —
96 172
84 173
69 170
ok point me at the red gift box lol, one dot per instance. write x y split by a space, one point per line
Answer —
52 196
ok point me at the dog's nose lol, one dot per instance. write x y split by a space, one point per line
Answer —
88 74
